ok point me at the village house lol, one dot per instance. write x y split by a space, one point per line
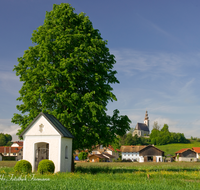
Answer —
142 129
186 154
197 150
103 154
104 157
15 151
47 138
17 144
142 153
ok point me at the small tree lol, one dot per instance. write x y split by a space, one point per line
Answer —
156 126
83 156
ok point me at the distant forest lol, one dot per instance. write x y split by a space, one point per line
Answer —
157 137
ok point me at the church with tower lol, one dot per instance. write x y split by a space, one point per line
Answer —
142 129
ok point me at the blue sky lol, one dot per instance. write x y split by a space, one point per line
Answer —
157 49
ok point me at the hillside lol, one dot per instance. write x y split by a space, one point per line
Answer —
172 148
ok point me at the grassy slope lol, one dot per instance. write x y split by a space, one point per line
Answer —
172 148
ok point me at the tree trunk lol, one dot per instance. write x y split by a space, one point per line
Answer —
72 164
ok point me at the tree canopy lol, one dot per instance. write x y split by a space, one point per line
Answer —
5 139
83 156
163 136
68 73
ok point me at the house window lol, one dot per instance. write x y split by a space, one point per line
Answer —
20 154
128 154
124 154
66 152
14 154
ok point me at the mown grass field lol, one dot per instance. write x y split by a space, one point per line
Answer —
172 148
109 176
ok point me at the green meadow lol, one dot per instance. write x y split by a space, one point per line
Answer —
172 148
109 176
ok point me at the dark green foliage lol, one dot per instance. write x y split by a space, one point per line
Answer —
82 156
124 160
46 166
8 143
23 166
2 140
68 73
8 158
5 139
8 137
128 139
163 136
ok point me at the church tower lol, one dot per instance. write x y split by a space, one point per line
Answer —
146 119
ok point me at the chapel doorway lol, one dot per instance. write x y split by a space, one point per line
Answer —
41 153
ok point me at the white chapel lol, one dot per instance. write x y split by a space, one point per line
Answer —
47 138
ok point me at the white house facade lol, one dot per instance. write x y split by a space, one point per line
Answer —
47 138
133 156
142 153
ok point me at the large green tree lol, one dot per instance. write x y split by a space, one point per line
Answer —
68 73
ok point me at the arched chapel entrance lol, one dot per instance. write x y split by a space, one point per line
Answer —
41 152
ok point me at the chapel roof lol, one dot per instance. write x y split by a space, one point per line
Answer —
54 122
142 126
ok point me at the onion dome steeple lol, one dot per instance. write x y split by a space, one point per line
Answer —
146 119
146 116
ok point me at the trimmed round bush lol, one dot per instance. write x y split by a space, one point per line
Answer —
46 166
23 166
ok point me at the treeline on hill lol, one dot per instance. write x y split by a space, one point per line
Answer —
163 136
157 137
5 139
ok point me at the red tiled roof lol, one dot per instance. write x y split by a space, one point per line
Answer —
8 149
196 149
111 148
182 150
20 143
